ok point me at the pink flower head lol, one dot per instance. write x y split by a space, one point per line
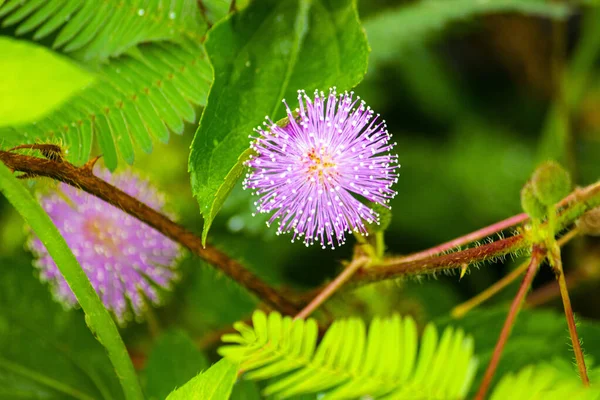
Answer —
309 171
125 260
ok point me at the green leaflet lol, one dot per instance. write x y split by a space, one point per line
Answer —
393 32
137 97
174 360
537 335
348 363
34 81
97 317
543 382
96 31
261 55
213 384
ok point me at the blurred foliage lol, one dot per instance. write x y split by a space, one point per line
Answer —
45 351
32 72
475 100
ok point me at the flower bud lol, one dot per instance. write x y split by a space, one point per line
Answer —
551 182
385 218
530 202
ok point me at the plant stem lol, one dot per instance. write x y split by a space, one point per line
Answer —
577 203
83 178
394 267
98 319
462 309
469 238
556 261
379 245
332 287
537 257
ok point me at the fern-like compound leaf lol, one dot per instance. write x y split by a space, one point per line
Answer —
141 95
543 382
96 30
386 363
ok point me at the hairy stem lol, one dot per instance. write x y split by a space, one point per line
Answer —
331 288
570 209
537 256
84 179
554 255
462 309
469 238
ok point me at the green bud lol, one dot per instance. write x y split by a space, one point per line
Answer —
385 218
530 203
551 182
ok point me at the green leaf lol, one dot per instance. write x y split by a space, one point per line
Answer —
137 97
348 363
537 336
260 55
544 381
173 361
392 32
34 81
62 359
96 31
214 10
97 317
213 384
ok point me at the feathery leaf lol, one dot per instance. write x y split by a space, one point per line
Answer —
142 94
543 382
387 363
97 30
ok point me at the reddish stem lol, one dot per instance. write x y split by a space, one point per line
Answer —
469 238
330 289
537 257
554 254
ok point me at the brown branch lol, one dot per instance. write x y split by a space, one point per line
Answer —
83 178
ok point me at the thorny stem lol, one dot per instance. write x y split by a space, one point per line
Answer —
537 257
330 289
469 238
83 178
555 259
570 208
462 309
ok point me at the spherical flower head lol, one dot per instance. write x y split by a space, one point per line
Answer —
125 260
310 171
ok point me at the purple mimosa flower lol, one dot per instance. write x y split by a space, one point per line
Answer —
125 260
309 171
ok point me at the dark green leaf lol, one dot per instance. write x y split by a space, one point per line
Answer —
174 360
265 53
213 384
61 360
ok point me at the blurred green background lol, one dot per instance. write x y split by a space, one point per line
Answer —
473 109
